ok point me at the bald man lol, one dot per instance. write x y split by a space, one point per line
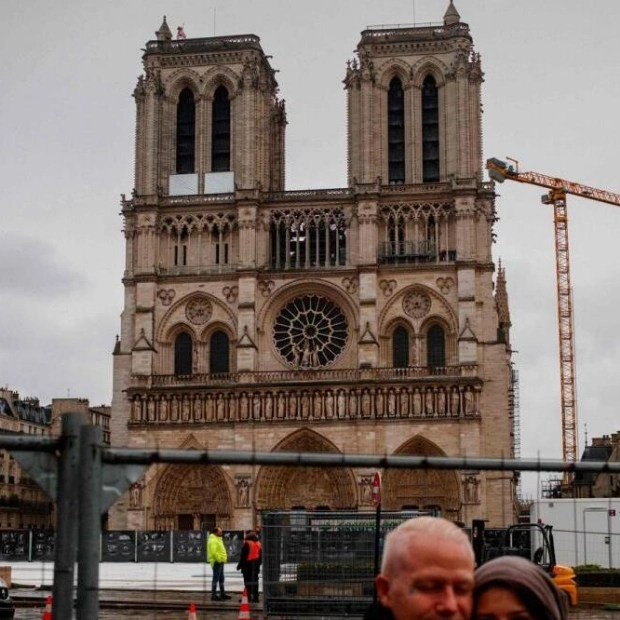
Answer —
427 572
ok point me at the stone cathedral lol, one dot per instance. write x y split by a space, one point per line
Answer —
364 319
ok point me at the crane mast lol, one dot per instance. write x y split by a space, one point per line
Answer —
558 189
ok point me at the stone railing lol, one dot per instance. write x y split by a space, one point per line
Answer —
305 375
203 45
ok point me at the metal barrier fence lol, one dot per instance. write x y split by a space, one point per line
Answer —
322 563
83 468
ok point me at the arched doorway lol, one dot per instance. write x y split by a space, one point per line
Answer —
285 488
191 497
419 488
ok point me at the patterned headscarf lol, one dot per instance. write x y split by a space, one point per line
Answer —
528 581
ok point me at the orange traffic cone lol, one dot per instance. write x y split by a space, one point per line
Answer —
47 612
244 610
192 612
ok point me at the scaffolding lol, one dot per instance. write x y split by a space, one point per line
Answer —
515 416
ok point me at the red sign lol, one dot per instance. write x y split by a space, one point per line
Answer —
376 490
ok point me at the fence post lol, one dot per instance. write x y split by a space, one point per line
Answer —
90 522
67 516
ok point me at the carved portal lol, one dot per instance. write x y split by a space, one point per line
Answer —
191 489
421 488
310 487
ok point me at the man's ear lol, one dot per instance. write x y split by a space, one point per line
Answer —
383 588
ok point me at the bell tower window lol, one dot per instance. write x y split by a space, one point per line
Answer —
220 134
186 132
430 130
396 132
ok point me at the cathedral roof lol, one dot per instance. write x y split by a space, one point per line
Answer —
451 15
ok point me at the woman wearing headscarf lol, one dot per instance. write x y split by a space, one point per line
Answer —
513 588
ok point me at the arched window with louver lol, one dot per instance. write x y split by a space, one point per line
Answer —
430 130
396 132
220 134
186 132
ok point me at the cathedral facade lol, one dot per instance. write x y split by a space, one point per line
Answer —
356 320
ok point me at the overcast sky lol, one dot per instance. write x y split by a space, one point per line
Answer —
551 99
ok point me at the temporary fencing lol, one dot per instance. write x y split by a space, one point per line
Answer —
82 458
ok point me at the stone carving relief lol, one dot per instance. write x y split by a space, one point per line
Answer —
166 296
266 287
350 284
242 485
334 488
388 287
365 485
417 304
198 310
230 293
190 489
135 496
444 284
471 488
404 401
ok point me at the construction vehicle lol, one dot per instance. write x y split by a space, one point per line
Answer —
532 541
501 171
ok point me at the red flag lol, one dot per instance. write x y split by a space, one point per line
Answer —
181 33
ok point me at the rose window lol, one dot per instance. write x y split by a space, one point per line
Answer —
199 311
417 304
310 332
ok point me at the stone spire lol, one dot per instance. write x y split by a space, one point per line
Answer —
501 302
164 34
451 15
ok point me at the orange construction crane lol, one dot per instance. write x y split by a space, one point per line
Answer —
558 188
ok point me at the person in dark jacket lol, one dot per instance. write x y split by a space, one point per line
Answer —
249 564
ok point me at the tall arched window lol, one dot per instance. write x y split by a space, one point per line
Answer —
430 130
400 348
219 353
220 134
396 132
186 132
183 354
436 347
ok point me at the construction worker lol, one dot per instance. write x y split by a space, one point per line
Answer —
249 564
217 557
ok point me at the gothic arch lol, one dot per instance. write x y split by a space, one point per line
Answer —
220 76
439 308
397 68
287 487
175 315
420 487
198 490
180 79
428 66
177 328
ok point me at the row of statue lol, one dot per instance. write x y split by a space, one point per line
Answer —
369 402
